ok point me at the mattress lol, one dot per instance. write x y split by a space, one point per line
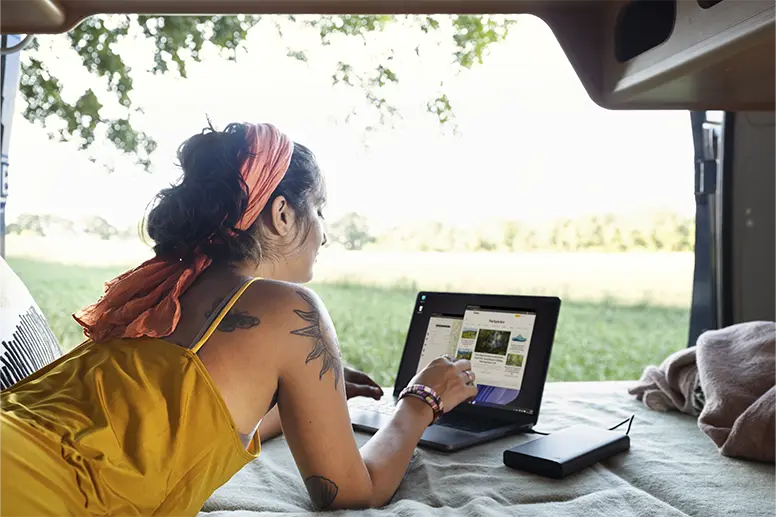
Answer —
672 469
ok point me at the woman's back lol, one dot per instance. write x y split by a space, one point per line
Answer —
142 419
139 422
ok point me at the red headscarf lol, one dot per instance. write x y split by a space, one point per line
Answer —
145 301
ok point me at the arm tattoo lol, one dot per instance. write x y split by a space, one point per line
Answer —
322 491
326 346
234 319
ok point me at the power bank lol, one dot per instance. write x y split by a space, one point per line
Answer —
567 451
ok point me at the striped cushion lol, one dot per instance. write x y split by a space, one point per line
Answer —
26 340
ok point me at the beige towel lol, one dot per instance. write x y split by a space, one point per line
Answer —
670 386
734 369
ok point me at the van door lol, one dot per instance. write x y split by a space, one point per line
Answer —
707 295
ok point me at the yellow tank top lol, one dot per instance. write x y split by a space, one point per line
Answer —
128 427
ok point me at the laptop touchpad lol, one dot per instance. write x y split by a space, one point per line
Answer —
446 435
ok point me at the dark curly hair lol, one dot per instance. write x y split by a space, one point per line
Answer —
201 211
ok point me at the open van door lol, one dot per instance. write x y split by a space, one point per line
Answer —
707 292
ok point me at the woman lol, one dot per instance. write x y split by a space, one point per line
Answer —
196 355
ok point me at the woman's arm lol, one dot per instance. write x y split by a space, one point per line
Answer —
314 415
389 452
402 434
357 384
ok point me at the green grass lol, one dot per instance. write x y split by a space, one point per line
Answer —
594 341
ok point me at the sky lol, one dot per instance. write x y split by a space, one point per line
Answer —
530 143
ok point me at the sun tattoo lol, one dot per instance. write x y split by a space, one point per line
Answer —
325 344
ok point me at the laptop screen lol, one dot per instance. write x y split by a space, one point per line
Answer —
507 338
496 341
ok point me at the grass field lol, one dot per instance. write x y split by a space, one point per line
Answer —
633 278
602 335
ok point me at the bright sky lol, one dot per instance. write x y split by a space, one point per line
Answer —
531 143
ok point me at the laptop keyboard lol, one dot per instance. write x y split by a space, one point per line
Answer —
387 405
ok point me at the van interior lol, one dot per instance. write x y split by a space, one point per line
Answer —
703 56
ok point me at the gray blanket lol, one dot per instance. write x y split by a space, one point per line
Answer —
734 371
671 470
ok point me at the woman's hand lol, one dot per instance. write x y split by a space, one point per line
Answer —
452 380
359 384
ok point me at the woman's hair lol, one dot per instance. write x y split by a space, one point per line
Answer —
201 212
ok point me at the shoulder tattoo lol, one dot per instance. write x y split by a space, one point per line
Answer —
234 319
326 347
322 491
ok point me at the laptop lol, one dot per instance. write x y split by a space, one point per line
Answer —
507 338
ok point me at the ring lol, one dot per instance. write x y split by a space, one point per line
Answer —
469 375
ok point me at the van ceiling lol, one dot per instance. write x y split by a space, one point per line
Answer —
629 54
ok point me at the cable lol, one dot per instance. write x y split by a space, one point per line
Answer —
629 421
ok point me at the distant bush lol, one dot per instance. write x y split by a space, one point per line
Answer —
44 225
606 233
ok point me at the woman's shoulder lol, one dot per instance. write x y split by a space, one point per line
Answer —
297 320
279 292
281 302
288 315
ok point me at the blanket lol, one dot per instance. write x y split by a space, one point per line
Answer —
670 470
735 370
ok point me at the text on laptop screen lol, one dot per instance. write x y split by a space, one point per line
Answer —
496 341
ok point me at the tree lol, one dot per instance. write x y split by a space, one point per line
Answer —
180 40
96 225
351 231
31 223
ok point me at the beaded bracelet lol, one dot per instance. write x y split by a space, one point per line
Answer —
427 395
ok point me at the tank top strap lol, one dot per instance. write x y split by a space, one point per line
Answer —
224 311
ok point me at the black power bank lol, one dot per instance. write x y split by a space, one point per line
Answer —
564 452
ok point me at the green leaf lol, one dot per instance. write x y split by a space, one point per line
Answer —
349 25
298 55
342 74
441 108
474 34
